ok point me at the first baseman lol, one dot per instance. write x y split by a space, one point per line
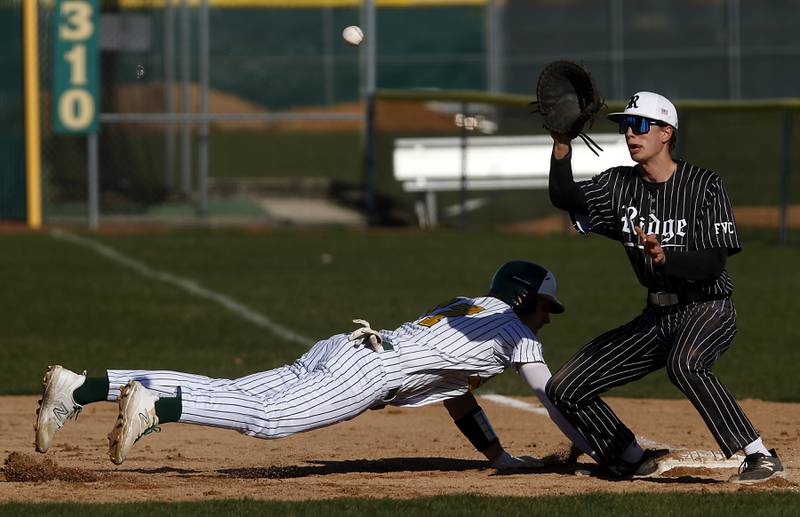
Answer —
676 225
439 356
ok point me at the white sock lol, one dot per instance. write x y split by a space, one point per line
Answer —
633 453
756 446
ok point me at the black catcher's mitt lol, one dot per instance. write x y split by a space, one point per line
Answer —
568 100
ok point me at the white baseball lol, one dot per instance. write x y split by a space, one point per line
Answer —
353 35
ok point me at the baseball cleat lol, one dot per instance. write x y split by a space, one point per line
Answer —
56 405
648 465
508 463
758 467
137 418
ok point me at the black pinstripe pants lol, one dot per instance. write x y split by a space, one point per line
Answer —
687 340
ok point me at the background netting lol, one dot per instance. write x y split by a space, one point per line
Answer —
268 59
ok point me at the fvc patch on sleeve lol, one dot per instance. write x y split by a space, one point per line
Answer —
716 223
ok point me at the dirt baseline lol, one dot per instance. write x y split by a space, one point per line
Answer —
393 453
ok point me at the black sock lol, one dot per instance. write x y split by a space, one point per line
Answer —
94 389
168 409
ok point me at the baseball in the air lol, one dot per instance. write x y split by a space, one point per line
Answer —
353 35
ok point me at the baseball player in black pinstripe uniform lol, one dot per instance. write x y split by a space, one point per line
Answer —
675 222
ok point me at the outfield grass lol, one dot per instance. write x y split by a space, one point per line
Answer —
773 504
69 305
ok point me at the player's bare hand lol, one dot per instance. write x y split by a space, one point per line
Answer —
560 138
651 246
561 144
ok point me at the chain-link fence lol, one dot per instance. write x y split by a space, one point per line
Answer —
245 103
210 108
684 49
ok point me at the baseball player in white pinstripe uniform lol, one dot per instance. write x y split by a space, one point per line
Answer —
440 356
676 225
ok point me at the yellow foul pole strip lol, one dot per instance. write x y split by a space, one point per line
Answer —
33 155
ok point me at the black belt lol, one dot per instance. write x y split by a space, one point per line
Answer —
391 394
665 299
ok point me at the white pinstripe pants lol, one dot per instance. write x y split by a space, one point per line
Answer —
332 382
687 340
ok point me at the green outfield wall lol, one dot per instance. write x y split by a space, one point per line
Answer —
12 128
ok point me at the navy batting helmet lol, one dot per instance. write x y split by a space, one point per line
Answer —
519 283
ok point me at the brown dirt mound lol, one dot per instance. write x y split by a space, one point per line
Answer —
13 227
22 467
397 115
766 216
775 482
541 226
679 472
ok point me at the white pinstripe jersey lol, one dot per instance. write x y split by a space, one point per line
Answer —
457 346
690 211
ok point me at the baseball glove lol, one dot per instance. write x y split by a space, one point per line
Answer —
568 100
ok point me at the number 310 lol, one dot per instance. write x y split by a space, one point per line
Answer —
76 106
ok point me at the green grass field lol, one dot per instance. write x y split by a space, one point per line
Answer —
70 305
75 307
638 504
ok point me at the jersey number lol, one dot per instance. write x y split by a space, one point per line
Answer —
462 309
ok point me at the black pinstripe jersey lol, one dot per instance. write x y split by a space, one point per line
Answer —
690 211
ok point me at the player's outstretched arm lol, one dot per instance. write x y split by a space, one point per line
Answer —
564 192
474 424
536 376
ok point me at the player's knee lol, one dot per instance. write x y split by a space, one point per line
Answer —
550 389
555 389
682 372
263 426
263 432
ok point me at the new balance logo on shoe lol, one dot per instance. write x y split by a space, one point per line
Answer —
60 412
56 405
759 467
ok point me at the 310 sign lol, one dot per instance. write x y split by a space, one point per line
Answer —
76 63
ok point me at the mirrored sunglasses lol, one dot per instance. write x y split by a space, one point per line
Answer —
639 125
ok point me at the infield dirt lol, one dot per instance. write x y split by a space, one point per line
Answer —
392 453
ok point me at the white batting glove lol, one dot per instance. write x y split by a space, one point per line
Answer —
367 334
508 462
